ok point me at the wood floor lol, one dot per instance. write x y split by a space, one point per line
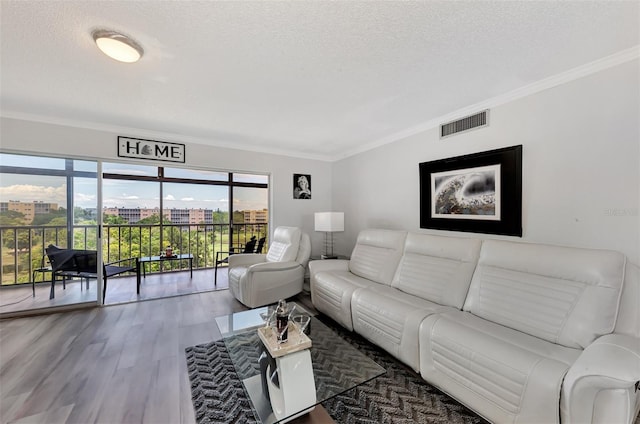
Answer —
115 364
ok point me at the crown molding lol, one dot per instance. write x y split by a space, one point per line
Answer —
619 58
156 135
616 59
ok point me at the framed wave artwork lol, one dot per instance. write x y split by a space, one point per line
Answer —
479 193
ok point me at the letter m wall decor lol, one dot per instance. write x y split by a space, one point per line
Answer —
138 148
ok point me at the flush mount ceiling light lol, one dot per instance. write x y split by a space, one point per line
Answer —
117 46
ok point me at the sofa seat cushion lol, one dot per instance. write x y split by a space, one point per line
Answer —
499 372
391 319
331 294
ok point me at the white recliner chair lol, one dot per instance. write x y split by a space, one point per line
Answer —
261 279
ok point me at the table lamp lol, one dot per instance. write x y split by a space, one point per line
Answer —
329 223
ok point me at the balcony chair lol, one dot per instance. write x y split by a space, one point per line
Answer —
248 248
70 263
45 267
261 279
260 245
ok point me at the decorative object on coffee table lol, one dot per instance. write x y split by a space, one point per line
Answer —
296 340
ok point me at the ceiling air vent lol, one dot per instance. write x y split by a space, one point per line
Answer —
464 124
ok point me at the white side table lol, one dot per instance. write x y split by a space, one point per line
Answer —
292 390
297 388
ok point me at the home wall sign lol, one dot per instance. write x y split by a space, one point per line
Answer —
479 193
139 148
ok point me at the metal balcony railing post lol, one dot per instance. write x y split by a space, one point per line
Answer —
201 240
15 254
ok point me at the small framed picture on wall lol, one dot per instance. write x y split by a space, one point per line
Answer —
301 186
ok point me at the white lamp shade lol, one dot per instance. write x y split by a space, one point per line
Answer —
329 221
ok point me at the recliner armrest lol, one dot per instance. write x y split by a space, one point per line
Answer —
609 367
246 259
273 266
328 265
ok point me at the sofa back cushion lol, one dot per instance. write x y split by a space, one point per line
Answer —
628 321
438 269
564 295
376 254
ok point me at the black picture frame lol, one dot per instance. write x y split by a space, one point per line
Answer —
140 148
301 186
444 184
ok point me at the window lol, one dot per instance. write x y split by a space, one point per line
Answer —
193 174
251 178
36 162
148 208
43 201
129 169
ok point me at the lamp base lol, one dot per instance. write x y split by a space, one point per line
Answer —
328 257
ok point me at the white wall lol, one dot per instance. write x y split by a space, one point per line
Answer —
23 136
581 160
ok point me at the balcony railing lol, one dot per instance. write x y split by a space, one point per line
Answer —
22 247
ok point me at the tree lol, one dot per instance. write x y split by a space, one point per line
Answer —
58 217
113 220
154 219
238 217
82 216
59 221
9 237
12 218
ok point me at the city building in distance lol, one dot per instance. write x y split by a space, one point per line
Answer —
28 209
183 216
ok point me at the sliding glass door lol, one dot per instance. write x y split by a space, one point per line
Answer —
44 201
250 199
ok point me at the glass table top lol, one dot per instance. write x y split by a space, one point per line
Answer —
337 365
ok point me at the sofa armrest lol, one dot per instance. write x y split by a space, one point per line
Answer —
328 265
603 381
246 259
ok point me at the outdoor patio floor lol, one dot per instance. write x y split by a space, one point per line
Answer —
120 289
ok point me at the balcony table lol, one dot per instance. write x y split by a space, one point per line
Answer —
148 259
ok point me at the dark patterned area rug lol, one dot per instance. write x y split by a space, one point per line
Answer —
400 396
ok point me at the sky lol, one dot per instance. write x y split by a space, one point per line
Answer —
129 194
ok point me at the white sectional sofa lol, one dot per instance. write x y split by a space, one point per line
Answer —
518 332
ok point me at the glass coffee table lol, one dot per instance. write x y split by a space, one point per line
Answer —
284 385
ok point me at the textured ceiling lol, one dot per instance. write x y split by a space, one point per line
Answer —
312 79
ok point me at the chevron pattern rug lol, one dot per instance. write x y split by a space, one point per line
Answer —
400 396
